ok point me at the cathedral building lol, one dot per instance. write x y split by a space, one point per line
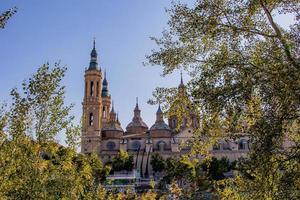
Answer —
102 132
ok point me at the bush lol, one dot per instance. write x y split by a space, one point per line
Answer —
158 163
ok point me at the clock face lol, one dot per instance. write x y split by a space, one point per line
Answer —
136 145
111 145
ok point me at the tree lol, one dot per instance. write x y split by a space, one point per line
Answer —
216 168
123 161
245 72
4 17
157 162
33 165
182 172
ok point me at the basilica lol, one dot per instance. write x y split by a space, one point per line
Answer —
102 132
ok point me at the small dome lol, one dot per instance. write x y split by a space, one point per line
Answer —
137 123
161 125
93 65
112 127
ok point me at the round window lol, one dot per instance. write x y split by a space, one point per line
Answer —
136 145
111 145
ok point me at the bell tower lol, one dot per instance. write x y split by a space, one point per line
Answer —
106 101
92 106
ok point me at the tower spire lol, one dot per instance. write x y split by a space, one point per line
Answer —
159 114
118 121
137 103
105 92
159 109
105 83
112 107
112 114
181 85
93 62
181 80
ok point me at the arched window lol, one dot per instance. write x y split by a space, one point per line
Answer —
104 112
174 123
97 92
161 145
91 119
243 144
92 88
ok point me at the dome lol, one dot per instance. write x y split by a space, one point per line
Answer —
161 125
113 124
137 121
112 127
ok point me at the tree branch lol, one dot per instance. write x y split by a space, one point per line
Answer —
279 35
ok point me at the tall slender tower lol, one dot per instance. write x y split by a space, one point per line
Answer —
92 107
106 101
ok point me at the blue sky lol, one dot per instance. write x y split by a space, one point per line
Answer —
43 31
56 30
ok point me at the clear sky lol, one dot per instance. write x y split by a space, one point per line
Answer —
53 30
43 31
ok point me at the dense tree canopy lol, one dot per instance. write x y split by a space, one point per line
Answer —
245 80
33 165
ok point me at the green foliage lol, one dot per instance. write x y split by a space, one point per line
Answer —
216 168
33 165
123 161
193 176
245 72
157 162
4 17
181 172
